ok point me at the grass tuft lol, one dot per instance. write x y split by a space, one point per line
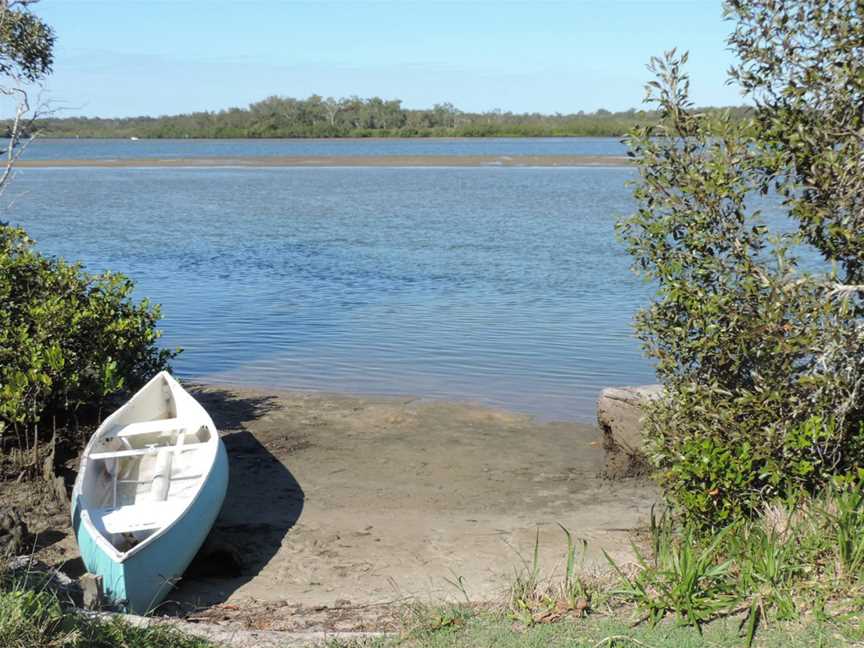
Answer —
799 561
34 618
533 599
680 579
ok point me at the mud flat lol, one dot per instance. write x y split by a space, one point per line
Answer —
341 507
344 161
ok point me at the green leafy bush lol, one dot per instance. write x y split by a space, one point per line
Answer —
763 364
68 339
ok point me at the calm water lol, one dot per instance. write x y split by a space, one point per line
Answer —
53 149
500 285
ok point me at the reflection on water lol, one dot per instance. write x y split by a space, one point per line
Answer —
504 286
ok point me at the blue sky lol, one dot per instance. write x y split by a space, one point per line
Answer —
135 57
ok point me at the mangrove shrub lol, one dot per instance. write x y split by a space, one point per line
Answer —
762 362
69 340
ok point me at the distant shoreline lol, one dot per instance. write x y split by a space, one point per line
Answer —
343 161
341 138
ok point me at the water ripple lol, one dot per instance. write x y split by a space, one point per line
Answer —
503 286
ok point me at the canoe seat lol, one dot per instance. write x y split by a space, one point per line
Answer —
148 516
149 427
120 454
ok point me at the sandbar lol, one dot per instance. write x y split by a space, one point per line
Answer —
342 161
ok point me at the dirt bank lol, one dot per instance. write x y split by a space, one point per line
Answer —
341 506
345 161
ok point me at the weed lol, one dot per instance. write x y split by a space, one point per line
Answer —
679 579
424 620
575 590
846 524
768 565
535 600
31 616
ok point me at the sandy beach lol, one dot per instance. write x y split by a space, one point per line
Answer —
343 161
341 508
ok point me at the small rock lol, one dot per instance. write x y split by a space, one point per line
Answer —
91 591
619 413
14 536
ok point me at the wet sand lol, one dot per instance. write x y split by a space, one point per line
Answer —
341 506
344 161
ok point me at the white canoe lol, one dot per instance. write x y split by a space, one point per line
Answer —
151 483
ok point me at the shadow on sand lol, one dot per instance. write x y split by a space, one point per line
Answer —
263 502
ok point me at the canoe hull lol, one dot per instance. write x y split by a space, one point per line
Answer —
143 580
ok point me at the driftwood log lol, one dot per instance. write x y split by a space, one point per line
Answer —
619 413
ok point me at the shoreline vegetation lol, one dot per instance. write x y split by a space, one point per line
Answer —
344 161
355 117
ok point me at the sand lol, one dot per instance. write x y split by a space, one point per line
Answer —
342 507
344 161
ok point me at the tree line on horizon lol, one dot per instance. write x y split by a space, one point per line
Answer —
316 116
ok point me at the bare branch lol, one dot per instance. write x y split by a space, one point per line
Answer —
845 291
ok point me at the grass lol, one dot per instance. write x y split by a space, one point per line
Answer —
802 561
489 629
33 617
532 600
793 577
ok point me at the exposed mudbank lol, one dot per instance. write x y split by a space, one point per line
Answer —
346 506
344 161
